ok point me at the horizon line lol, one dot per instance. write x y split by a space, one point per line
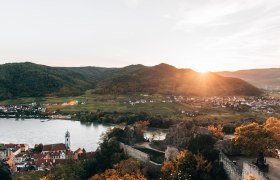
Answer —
112 67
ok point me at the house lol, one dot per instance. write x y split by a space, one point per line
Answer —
41 156
4 152
57 155
54 148
78 153
24 147
11 163
43 164
20 158
17 148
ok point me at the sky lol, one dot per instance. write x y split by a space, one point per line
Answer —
205 35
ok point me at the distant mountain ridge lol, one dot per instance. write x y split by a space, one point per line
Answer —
33 80
166 79
262 78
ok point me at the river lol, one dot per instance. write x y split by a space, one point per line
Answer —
33 131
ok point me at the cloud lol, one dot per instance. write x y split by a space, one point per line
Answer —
232 31
214 13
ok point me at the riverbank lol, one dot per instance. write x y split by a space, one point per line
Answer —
32 131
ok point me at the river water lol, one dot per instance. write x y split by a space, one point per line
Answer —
34 131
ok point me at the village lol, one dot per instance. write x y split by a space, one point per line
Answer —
22 158
252 103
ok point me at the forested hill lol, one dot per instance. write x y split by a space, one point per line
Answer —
28 79
166 79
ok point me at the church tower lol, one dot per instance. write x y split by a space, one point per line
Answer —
67 139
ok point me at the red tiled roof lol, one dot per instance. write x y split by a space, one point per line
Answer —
10 156
47 162
11 145
54 147
11 164
39 156
78 150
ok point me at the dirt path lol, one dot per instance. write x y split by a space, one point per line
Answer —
147 146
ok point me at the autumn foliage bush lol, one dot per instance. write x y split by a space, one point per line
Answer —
125 170
254 138
217 131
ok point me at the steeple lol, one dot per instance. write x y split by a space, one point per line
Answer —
67 139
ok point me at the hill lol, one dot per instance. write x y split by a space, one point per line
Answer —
166 79
33 80
261 78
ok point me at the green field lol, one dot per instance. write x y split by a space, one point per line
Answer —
119 103
107 103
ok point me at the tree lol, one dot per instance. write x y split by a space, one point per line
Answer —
72 170
251 178
185 166
38 148
217 131
141 127
125 170
273 125
5 173
229 128
167 169
253 138
202 165
108 154
204 144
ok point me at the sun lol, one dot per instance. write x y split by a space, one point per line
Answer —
203 72
204 69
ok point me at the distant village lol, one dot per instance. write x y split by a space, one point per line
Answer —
267 105
35 110
22 158
256 104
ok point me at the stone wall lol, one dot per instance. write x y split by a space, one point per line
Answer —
252 170
135 153
232 171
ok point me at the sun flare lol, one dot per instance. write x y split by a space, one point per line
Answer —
204 72
203 68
